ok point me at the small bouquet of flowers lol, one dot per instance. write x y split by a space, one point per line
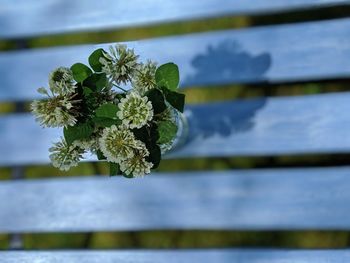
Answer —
121 110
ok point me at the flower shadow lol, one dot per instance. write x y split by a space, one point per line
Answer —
228 63
225 63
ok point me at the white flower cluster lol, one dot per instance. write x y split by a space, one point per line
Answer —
144 78
64 156
120 146
57 110
137 164
120 65
119 126
61 81
135 110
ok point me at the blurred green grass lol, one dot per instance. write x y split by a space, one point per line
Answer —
194 95
189 239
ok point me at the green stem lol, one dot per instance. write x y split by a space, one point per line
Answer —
119 87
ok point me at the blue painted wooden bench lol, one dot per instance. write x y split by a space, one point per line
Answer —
256 199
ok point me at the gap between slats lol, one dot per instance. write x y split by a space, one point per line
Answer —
176 27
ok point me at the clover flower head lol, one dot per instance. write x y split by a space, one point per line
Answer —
134 110
144 79
61 81
120 65
137 165
64 156
54 112
118 143
87 144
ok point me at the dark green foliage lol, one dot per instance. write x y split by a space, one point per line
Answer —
94 59
176 99
80 72
156 97
167 131
154 155
105 122
90 100
150 135
106 115
167 78
100 155
113 169
107 110
96 82
147 134
87 91
141 133
167 75
78 132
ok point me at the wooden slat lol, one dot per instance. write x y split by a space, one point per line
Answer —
307 51
265 126
183 256
289 199
33 17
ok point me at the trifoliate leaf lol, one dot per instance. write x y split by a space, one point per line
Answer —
148 135
156 97
80 72
167 131
77 132
107 110
177 100
167 75
94 59
96 81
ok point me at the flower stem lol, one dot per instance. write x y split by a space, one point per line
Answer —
119 87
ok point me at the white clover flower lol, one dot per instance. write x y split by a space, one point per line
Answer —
61 81
54 112
120 65
87 145
135 111
64 156
144 79
137 165
118 143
